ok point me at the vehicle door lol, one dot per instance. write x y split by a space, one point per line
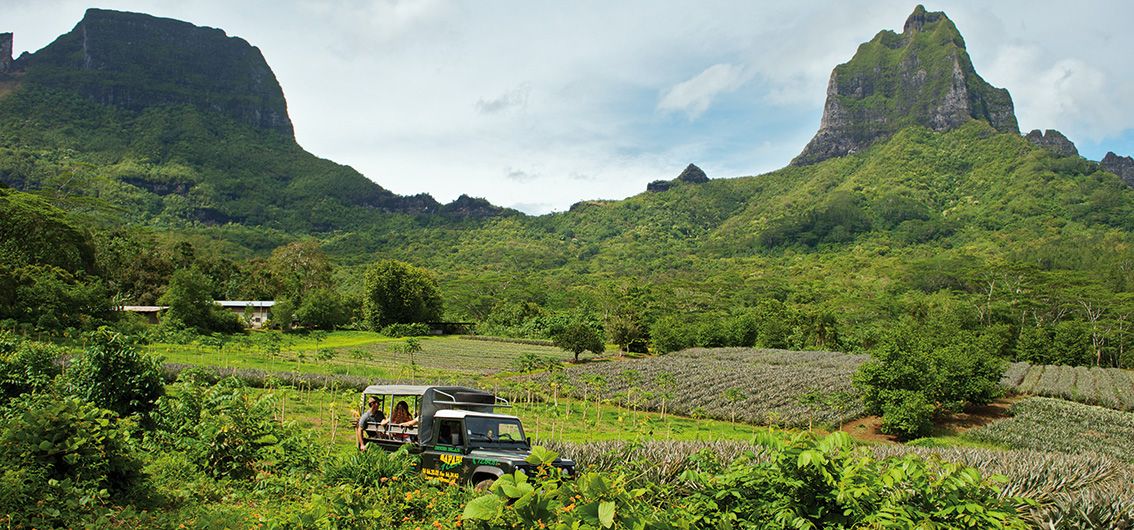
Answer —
446 459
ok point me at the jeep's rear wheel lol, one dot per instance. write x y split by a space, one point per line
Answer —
482 486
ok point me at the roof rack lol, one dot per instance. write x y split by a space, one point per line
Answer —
499 401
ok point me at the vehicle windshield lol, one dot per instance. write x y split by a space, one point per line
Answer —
494 432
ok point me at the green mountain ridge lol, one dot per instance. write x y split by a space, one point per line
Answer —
181 123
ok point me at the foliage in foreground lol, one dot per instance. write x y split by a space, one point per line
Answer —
802 482
113 374
62 459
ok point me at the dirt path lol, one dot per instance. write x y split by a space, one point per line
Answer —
869 428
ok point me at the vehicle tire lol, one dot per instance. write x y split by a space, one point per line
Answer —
483 485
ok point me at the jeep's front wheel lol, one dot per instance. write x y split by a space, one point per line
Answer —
484 485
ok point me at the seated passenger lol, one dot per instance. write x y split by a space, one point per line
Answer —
369 420
401 417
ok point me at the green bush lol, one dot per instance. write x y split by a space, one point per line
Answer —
230 431
66 457
950 371
27 366
416 329
808 482
907 415
112 373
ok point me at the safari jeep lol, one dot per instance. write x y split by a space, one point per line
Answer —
458 435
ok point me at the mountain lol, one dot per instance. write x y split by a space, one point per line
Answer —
917 194
922 76
135 61
172 123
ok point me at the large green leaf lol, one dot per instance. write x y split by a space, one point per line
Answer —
484 508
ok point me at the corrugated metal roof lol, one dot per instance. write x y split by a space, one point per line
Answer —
246 303
143 308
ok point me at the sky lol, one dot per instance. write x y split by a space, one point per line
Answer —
536 105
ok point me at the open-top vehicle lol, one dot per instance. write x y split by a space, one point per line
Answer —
456 430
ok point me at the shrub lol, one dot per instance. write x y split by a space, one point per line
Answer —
113 374
416 329
808 482
950 372
27 366
66 456
907 415
228 430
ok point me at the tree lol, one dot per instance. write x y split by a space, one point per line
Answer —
397 292
912 376
190 304
623 329
322 309
578 337
298 269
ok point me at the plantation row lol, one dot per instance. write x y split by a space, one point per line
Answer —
1107 387
737 384
1071 491
1049 424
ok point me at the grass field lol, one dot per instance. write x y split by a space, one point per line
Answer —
331 415
355 353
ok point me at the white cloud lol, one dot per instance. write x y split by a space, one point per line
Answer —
516 98
694 96
1069 94
520 175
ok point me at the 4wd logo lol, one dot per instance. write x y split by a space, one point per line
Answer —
449 461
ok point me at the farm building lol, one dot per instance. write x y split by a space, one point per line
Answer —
255 312
150 312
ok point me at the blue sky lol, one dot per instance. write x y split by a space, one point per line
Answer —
538 104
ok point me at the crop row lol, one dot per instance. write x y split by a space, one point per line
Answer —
1048 424
735 384
1071 491
1106 387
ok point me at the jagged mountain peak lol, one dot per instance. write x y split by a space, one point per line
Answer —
136 61
923 76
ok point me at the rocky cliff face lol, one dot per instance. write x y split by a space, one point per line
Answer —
135 61
5 52
922 76
1053 141
1123 166
691 175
